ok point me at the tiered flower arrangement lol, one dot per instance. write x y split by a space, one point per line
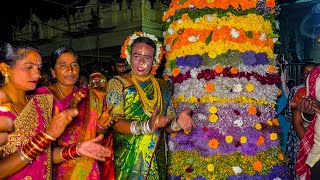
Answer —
220 58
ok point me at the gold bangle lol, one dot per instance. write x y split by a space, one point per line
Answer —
48 136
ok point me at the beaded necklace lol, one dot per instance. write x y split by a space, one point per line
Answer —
148 104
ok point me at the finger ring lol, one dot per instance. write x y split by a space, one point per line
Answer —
62 114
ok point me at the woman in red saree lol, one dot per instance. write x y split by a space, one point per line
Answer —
65 68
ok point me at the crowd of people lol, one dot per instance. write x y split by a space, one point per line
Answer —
77 126
63 128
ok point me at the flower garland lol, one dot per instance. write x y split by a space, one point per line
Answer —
126 47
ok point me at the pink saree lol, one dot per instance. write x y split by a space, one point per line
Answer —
33 119
80 129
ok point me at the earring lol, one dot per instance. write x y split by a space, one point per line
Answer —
6 78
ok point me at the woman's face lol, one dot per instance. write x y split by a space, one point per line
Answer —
141 59
25 74
66 69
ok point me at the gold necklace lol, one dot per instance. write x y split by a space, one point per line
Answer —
149 104
14 107
60 90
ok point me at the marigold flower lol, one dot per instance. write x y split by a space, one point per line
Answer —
165 77
275 122
210 167
249 87
213 118
174 134
260 140
218 69
243 139
175 72
234 70
229 139
213 143
213 109
257 126
281 156
271 68
257 166
252 110
273 136
279 92
209 87
269 122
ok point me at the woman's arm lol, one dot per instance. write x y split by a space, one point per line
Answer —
297 121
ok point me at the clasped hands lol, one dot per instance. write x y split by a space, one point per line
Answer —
308 105
184 121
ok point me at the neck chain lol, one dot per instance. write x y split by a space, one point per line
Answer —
14 107
149 104
142 79
60 90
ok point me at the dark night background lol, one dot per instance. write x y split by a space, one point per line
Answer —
13 11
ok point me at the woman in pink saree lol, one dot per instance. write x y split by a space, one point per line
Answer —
27 153
65 68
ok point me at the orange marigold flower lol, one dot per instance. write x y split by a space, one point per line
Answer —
252 110
175 104
260 140
154 70
279 92
257 166
275 122
281 156
175 72
174 134
270 3
209 87
218 69
184 16
271 68
165 77
213 143
234 70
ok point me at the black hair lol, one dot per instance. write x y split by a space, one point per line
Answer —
145 40
58 52
119 60
310 63
17 50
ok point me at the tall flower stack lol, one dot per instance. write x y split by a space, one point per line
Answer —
220 58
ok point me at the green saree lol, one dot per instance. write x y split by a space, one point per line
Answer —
138 156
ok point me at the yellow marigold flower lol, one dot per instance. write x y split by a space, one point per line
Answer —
213 143
271 68
213 118
210 167
258 126
281 156
249 87
273 136
209 87
252 110
218 69
193 99
175 72
257 166
213 109
269 122
243 139
229 139
234 70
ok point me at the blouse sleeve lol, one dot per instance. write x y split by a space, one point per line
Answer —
115 97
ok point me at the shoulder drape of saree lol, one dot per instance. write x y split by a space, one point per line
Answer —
33 119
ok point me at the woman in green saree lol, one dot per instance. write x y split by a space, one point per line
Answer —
145 111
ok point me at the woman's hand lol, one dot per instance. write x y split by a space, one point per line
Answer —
76 99
308 105
185 120
157 121
60 121
93 149
6 126
106 119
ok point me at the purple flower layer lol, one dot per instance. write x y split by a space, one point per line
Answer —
190 61
198 140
